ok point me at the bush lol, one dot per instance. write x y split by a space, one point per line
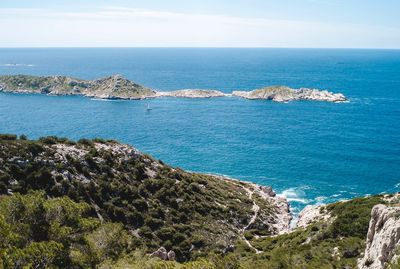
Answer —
8 137
86 142
49 140
110 240
99 140
35 148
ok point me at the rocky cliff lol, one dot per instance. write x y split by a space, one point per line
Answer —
381 247
383 238
117 87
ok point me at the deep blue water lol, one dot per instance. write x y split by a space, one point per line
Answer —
311 152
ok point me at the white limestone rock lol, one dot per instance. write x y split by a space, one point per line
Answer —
311 214
383 237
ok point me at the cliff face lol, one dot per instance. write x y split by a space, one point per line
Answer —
383 238
161 205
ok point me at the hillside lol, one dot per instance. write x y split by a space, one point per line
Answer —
191 214
102 204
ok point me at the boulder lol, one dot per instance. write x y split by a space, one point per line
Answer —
171 255
160 253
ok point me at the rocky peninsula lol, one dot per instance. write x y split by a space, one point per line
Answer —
118 87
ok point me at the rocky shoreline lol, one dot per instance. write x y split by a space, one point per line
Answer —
283 216
117 87
383 238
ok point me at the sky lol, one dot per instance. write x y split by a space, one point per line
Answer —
200 23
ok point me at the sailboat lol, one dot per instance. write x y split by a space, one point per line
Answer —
148 107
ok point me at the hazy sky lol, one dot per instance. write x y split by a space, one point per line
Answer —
200 23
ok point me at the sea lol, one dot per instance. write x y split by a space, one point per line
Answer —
309 152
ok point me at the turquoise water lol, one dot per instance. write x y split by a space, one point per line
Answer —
310 152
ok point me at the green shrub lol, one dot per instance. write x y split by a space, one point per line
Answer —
49 140
8 137
85 141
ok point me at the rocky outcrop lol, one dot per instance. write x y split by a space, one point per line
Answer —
263 199
192 93
286 94
312 214
283 217
383 237
162 254
117 87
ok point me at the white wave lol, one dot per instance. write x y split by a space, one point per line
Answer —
320 200
298 200
295 195
17 65
107 100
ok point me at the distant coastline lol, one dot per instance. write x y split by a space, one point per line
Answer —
118 87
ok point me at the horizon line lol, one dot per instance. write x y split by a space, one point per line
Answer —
192 47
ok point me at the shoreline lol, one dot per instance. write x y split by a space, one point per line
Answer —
165 97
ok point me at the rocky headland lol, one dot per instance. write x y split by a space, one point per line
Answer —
118 87
99 203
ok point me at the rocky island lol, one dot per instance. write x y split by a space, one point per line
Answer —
286 94
113 87
117 87
97 203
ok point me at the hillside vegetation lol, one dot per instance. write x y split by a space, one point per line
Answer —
102 204
155 204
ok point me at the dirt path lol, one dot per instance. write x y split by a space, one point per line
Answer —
255 209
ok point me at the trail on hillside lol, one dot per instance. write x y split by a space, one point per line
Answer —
255 209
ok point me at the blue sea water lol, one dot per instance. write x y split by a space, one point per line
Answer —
310 152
